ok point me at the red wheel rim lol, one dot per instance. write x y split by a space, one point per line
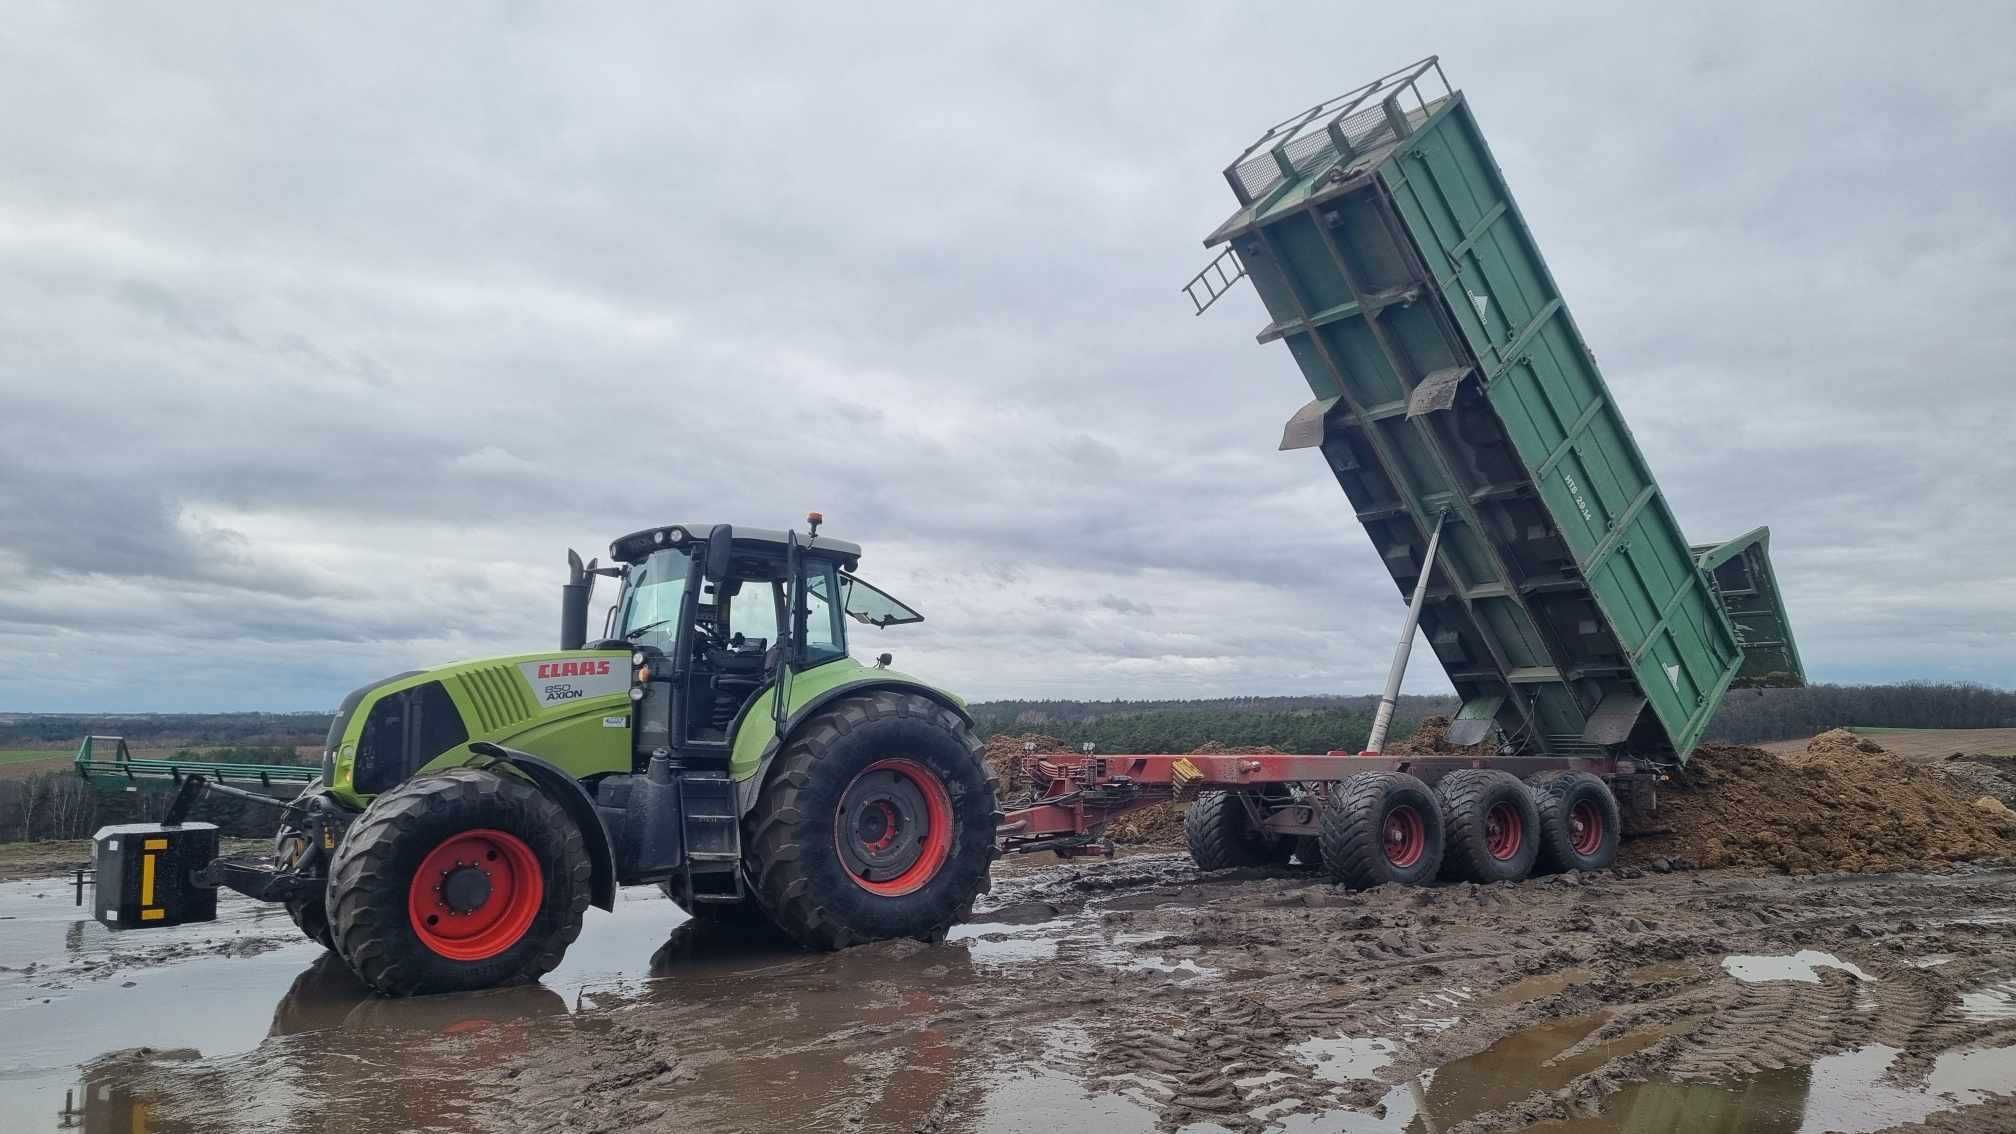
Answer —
1504 830
1585 827
1405 836
893 827
476 894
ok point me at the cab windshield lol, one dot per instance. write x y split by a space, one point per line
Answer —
651 598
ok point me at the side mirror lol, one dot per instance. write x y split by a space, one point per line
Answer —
720 549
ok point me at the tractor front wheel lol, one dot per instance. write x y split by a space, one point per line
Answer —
463 880
876 821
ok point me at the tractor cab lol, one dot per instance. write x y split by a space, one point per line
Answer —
716 617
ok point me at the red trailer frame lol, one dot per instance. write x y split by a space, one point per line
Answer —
1078 794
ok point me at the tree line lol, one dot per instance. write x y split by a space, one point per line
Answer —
155 730
1749 716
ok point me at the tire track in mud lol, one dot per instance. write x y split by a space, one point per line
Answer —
1776 1024
1423 968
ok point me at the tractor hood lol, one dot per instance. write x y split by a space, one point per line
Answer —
570 706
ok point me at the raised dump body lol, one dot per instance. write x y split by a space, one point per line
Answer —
1449 377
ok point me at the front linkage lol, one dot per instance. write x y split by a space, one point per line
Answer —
167 873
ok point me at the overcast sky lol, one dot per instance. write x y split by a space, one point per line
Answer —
324 335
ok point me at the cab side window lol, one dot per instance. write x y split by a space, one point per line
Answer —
825 639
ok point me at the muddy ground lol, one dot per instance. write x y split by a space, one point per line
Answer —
1133 995
1849 963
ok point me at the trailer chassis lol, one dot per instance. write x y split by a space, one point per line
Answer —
1076 795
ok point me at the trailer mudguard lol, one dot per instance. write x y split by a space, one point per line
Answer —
573 799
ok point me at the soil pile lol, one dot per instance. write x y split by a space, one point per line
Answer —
1004 755
1431 736
1837 746
1973 777
1843 805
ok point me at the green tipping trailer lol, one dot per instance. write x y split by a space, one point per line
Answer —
1452 384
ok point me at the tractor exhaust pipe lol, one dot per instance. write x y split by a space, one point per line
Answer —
574 596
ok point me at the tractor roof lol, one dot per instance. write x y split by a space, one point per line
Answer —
637 545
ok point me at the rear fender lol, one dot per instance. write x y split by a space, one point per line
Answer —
746 790
566 791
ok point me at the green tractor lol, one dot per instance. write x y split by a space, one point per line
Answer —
718 740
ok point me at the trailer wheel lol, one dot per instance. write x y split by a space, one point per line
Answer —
462 880
876 821
1221 835
1493 826
1579 823
1381 827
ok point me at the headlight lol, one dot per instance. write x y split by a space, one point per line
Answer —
636 692
636 658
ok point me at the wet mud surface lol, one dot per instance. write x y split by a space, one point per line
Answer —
1133 995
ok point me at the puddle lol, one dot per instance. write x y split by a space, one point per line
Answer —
1505 1072
75 990
1803 966
1995 1002
1344 1058
1537 987
1843 1093
1045 1097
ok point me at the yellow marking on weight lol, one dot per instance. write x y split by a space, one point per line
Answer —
147 881
155 844
153 915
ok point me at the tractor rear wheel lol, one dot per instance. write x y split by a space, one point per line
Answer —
1579 823
1381 827
1493 826
462 880
1221 834
876 821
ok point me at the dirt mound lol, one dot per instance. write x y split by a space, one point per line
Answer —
1835 746
1430 736
1003 757
1975 776
1839 807
1162 824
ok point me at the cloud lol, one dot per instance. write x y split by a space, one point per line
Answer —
322 337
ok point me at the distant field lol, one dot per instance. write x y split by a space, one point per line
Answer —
16 762
1926 743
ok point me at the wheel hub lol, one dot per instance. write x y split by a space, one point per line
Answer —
894 826
1405 836
1504 831
464 889
1585 828
476 894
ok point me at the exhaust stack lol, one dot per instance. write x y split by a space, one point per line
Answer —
574 603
